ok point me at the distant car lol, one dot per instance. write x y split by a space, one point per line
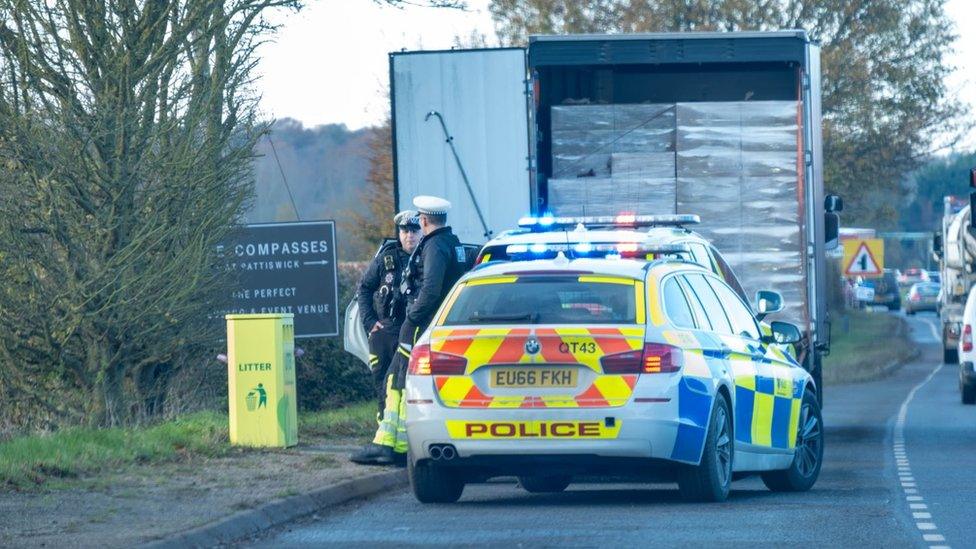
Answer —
923 296
912 276
967 356
882 291
934 276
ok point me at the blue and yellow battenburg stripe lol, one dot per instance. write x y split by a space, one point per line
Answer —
766 409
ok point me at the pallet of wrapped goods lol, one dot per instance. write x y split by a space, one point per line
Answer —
642 165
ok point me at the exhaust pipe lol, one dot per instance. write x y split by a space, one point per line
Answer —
435 453
448 453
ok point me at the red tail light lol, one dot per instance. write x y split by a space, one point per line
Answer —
654 358
916 297
424 362
967 338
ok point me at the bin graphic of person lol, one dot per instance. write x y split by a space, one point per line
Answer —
262 395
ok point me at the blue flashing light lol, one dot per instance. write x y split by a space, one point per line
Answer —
546 220
527 221
516 249
538 248
583 248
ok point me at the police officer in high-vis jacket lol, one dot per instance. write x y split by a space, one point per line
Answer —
434 267
382 308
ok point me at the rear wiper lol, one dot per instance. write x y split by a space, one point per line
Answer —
514 317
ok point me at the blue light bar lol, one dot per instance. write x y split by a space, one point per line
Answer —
583 248
627 220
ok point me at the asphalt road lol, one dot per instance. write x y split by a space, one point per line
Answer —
885 482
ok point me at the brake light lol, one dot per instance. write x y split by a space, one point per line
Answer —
654 358
628 362
424 362
659 358
967 338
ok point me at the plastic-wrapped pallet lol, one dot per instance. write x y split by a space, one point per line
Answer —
608 140
737 168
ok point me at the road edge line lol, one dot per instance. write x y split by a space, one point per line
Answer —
278 512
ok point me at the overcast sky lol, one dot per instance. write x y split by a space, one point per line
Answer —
329 62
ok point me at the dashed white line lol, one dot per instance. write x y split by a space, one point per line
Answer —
920 514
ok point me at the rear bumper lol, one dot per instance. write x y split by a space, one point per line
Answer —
642 431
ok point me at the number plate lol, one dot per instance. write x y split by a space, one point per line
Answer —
513 378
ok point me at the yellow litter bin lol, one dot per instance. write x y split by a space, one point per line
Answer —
261 380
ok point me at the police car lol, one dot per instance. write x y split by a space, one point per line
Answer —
569 366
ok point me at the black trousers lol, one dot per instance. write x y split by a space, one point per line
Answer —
382 348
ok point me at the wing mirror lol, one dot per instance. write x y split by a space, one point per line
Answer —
767 303
833 203
783 333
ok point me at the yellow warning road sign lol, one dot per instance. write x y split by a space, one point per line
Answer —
864 257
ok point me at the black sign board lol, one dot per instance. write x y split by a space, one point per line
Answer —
287 268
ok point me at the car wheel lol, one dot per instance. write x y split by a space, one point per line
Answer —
711 478
950 356
543 485
803 472
433 484
968 393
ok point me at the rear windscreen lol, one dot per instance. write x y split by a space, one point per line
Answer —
545 300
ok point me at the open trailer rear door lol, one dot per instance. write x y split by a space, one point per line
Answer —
481 96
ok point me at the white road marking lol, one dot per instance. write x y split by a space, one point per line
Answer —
905 477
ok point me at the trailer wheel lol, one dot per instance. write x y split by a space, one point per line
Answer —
950 356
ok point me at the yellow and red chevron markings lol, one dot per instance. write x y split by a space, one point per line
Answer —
558 346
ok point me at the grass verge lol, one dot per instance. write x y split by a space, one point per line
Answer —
355 420
863 345
32 460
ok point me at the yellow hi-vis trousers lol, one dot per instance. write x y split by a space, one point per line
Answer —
392 430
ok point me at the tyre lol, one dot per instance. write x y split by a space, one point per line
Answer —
709 481
968 393
950 356
431 484
803 472
544 485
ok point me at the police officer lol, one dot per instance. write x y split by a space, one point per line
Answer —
381 307
434 267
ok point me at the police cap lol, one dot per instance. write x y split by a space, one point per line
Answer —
407 219
431 205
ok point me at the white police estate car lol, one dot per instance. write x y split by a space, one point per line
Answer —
567 366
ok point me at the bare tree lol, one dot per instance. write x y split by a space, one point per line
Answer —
126 138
